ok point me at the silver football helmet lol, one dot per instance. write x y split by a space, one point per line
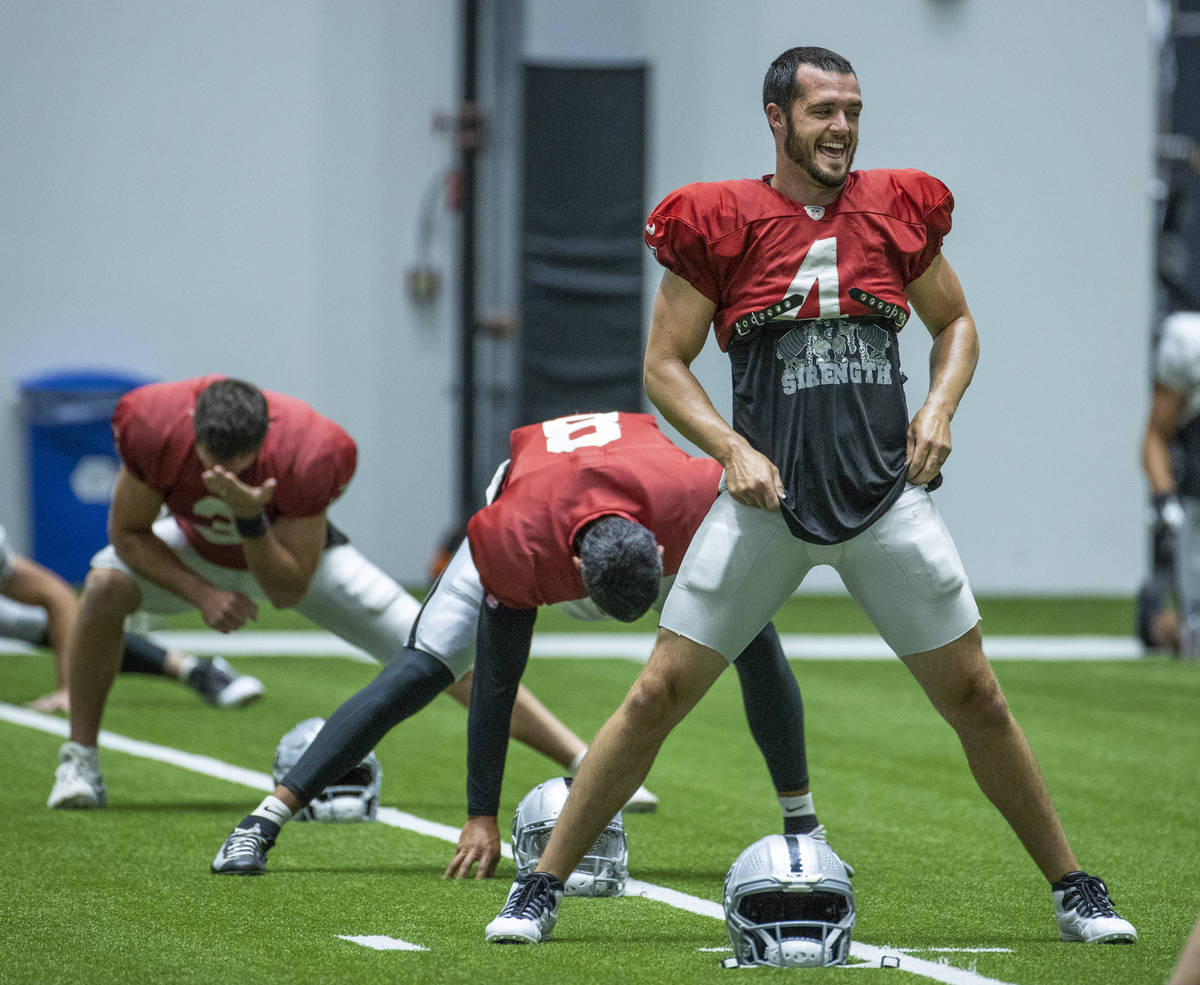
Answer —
601 872
353 797
789 903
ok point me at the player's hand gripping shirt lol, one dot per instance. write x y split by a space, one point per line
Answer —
311 458
564 474
809 304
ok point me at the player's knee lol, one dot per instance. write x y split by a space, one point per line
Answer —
653 704
977 702
107 591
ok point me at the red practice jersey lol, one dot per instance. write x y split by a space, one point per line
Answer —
564 474
746 247
311 458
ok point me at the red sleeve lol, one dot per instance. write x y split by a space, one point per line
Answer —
674 235
932 205
129 435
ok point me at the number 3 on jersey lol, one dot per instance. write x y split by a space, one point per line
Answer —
565 434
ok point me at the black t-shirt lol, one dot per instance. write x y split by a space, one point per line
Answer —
824 400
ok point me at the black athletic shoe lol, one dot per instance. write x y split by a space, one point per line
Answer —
219 684
244 852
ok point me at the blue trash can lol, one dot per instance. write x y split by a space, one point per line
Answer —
72 464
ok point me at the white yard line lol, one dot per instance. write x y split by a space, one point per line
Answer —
874 957
635 646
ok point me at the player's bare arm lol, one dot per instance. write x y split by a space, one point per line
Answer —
678 329
284 558
1166 410
938 299
135 507
478 844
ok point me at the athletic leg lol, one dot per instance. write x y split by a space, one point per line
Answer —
140 656
775 711
402 688
678 675
93 657
960 683
95 647
356 600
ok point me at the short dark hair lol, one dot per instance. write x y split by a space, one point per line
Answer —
779 85
621 567
231 418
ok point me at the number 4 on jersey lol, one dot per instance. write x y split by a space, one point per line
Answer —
819 267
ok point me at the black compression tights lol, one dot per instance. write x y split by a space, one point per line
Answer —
140 656
405 686
774 709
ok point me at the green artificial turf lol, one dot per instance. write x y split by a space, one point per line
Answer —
124 895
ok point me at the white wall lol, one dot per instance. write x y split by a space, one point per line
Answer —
210 185
1040 118
220 185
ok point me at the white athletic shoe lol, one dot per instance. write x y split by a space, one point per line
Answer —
219 684
530 913
1085 913
642 802
77 781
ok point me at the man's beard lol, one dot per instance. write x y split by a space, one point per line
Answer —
806 158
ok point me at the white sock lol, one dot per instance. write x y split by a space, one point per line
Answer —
574 765
274 810
797 807
186 666
90 754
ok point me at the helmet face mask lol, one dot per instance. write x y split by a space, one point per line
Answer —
352 797
789 903
603 869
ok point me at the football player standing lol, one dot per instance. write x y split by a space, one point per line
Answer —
807 276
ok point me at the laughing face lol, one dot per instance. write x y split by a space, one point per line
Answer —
822 127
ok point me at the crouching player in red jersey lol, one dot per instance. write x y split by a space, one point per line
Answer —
246 476
593 512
